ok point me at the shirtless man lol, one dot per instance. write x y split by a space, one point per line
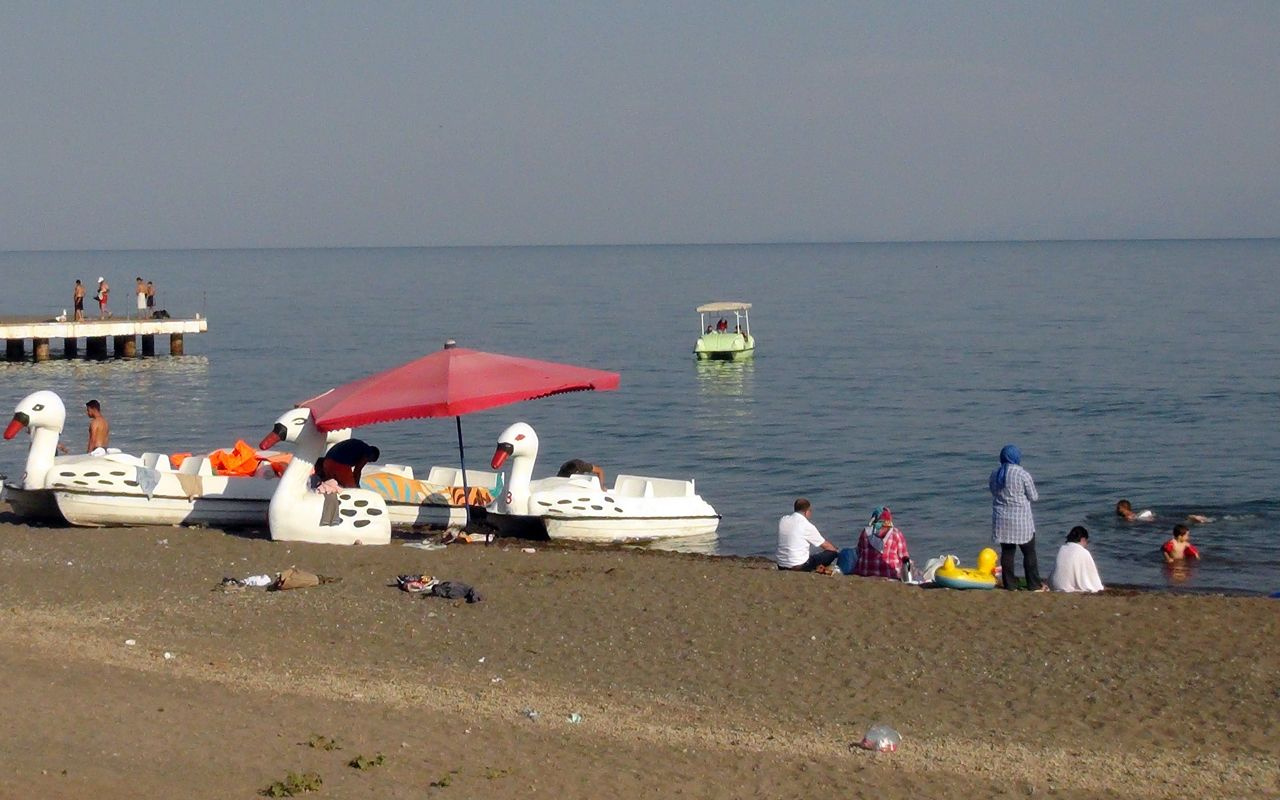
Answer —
141 290
77 299
99 430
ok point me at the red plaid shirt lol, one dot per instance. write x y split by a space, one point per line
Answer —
885 563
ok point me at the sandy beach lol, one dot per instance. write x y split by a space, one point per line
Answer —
688 676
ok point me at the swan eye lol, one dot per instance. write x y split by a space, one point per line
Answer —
38 407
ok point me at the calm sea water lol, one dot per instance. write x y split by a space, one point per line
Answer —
886 374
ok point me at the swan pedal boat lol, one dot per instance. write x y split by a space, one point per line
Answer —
365 515
119 489
577 508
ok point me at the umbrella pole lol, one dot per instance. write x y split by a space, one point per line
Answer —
462 461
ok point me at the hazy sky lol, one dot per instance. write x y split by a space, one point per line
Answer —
259 124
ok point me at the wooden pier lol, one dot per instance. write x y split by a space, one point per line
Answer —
124 335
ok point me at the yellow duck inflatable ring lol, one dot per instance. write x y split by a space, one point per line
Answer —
952 576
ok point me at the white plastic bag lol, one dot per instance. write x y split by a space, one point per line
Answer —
881 738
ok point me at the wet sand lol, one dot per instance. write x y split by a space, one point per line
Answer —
692 676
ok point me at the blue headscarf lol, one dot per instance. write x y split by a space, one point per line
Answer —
1009 454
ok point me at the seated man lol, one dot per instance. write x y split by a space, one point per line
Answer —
796 534
576 466
1074 570
345 460
881 548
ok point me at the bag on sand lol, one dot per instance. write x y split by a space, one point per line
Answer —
294 578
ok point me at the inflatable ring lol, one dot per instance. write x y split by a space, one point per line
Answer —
952 576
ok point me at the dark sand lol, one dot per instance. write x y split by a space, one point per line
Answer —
693 676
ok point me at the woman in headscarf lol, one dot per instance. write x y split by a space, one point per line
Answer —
881 548
1012 525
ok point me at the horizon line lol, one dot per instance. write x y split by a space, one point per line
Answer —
637 244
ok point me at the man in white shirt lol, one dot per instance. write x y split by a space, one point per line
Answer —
1074 570
796 535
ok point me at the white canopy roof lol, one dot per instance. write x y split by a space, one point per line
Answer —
723 306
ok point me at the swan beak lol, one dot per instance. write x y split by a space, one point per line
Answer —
500 455
19 421
278 432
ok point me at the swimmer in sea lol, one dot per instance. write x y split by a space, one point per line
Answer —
1124 510
1180 548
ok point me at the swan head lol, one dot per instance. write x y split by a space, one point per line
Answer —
43 409
287 428
517 440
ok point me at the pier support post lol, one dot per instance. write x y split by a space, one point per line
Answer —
70 346
117 345
15 349
40 349
130 346
148 344
95 346
175 344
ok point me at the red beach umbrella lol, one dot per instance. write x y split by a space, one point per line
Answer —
449 383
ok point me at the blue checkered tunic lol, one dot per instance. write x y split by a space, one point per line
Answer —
1011 520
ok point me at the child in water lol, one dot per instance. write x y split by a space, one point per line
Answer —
1180 548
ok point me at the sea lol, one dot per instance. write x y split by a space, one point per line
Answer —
885 375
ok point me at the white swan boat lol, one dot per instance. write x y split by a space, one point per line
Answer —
44 415
578 508
298 513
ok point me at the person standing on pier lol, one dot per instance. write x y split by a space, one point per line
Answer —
151 299
104 294
141 291
77 299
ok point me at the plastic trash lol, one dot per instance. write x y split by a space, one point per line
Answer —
425 545
258 580
530 713
575 718
881 738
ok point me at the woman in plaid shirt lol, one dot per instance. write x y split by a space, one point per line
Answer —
1012 493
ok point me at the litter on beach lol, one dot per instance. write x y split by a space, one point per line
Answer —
881 738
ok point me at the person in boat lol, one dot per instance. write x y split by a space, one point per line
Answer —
1073 569
722 325
77 299
797 538
881 548
344 462
99 430
576 466
1179 547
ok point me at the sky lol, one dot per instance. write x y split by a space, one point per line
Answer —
139 125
